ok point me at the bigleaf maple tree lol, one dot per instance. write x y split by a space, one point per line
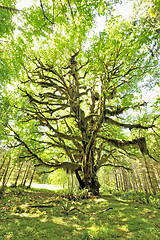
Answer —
78 93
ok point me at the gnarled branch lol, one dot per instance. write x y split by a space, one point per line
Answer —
127 125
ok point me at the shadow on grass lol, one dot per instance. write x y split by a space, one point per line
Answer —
124 220
33 228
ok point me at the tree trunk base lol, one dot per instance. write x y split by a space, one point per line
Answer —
93 186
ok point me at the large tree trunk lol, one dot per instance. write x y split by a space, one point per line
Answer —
89 181
90 173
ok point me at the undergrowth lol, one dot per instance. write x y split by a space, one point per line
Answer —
38 214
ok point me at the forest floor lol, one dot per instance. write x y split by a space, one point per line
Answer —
49 215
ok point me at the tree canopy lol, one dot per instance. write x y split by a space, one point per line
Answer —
76 99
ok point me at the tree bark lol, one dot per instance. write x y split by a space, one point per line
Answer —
153 177
5 174
134 181
81 182
19 172
2 164
2 170
125 180
27 172
24 175
32 176
10 173
9 8
140 185
149 175
121 181
116 179
90 173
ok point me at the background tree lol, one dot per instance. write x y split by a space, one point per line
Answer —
147 15
7 27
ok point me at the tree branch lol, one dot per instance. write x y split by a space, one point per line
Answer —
116 166
17 137
64 136
141 142
120 110
127 125
52 22
10 9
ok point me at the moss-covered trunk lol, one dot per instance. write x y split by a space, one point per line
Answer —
90 173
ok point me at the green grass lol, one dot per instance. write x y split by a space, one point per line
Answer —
78 219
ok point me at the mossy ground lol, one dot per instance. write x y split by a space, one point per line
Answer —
49 215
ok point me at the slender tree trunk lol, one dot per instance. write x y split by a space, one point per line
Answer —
153 178
147 195
157 171
19 172
23 178
129 181
26 174
2 170
72 180
149 175
68 182
122 182
140 185
2 164
134 181
116 179
2 174
81 182
32 176
10 173
5 173
146 185
125 181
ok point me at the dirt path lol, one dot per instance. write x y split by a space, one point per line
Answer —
45 186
